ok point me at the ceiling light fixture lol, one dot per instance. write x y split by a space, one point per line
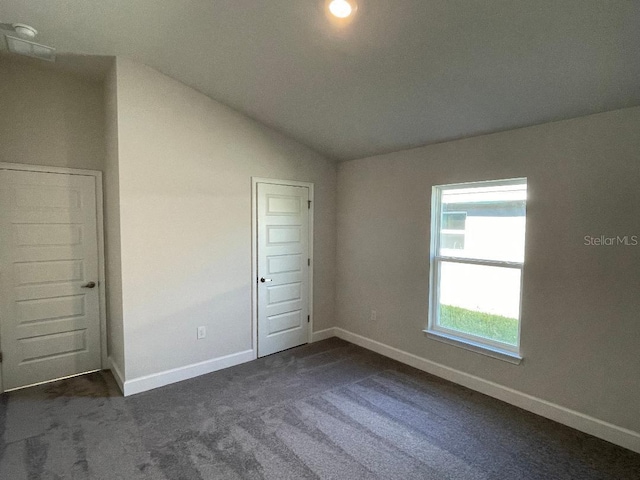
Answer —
341 8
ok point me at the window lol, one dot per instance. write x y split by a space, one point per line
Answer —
477 255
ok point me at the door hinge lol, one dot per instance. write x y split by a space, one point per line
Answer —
309 262
0 357
309 204
308 318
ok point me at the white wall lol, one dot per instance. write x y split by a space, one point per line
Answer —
49 117
113 264
580 306
185 168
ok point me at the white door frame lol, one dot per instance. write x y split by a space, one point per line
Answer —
254 254
97 175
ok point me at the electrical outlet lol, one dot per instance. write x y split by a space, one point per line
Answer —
374 316
202 332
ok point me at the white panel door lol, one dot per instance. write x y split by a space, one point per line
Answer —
283 272
49 311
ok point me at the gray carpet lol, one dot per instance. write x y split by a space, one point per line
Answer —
327 410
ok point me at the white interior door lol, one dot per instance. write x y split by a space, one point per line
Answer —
49 312
283 271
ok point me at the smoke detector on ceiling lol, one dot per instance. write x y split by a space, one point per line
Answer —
26 32
21 43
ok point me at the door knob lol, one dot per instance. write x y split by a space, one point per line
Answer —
89 285
263 280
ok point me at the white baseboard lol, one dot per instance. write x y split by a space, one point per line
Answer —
323 334
117 374
598 428
160 379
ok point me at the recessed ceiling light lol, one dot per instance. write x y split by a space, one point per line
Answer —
341 8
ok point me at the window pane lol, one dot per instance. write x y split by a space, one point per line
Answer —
480 300
486 222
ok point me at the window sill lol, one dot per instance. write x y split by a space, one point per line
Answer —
497 353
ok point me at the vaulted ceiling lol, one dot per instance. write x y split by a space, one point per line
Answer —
403 73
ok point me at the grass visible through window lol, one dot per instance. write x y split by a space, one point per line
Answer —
495 327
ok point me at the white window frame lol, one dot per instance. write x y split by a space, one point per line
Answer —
503 351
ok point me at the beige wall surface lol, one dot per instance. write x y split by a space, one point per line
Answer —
580 304
185 168
113 265
49 117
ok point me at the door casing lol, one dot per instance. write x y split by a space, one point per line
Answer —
97 175
254 254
